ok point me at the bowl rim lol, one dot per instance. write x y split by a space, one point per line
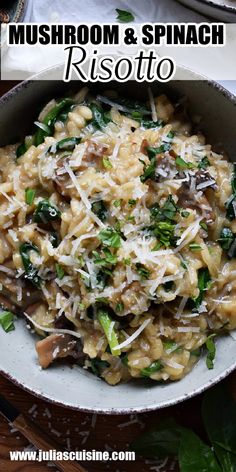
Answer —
124 410
224 7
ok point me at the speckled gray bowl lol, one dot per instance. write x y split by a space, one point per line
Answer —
222 10
73 387
15 9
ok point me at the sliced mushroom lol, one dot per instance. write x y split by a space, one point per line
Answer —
10 293
53 347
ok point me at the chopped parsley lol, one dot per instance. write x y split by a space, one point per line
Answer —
107 163
110 237
109 259
29 195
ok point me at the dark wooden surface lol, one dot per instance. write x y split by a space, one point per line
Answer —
77 430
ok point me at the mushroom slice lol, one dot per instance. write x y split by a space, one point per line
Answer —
53 347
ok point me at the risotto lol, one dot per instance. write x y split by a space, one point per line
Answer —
118 237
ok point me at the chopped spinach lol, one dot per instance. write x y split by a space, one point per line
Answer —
164 232
143 271
46 212
29 195
60 271
154 367
148 124
66 144
183 164
21 149
97 366
226 238
167 212
54 239
100 209
31 273
154 151
109 259
204 282
109 330
100 118
203 163
50 119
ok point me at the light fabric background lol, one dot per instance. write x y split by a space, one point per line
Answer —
104 11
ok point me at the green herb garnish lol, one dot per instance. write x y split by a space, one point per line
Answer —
183 164
110 333
143 271
67 144
31 273
46 212
60 271
110 237
203 163
154 367
100 209
124 16
211 348
7 321
29 195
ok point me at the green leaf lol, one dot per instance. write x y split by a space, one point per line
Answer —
67 144
226 238
219 416
149 170
149 124
167 212
46 212
7 321
230 204
100 119
160 441
110 333
119 307
107 163
154 367
97 366
29 195
195 247
164 232
21 150
50 119
117 203
194 455
204 282
100 209
211 348
132 202
154 151
109 259
183 164
110 237
203 163
124 16
142 271
60 271
31 273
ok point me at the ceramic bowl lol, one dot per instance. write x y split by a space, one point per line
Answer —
74 387
12 11
222 10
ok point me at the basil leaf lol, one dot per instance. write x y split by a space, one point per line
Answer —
100 209
219 416
67 144
31 273
124 16
160 441
46 212
110 237
154 367
7 321
194 455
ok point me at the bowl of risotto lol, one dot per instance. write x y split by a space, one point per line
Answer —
117 241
